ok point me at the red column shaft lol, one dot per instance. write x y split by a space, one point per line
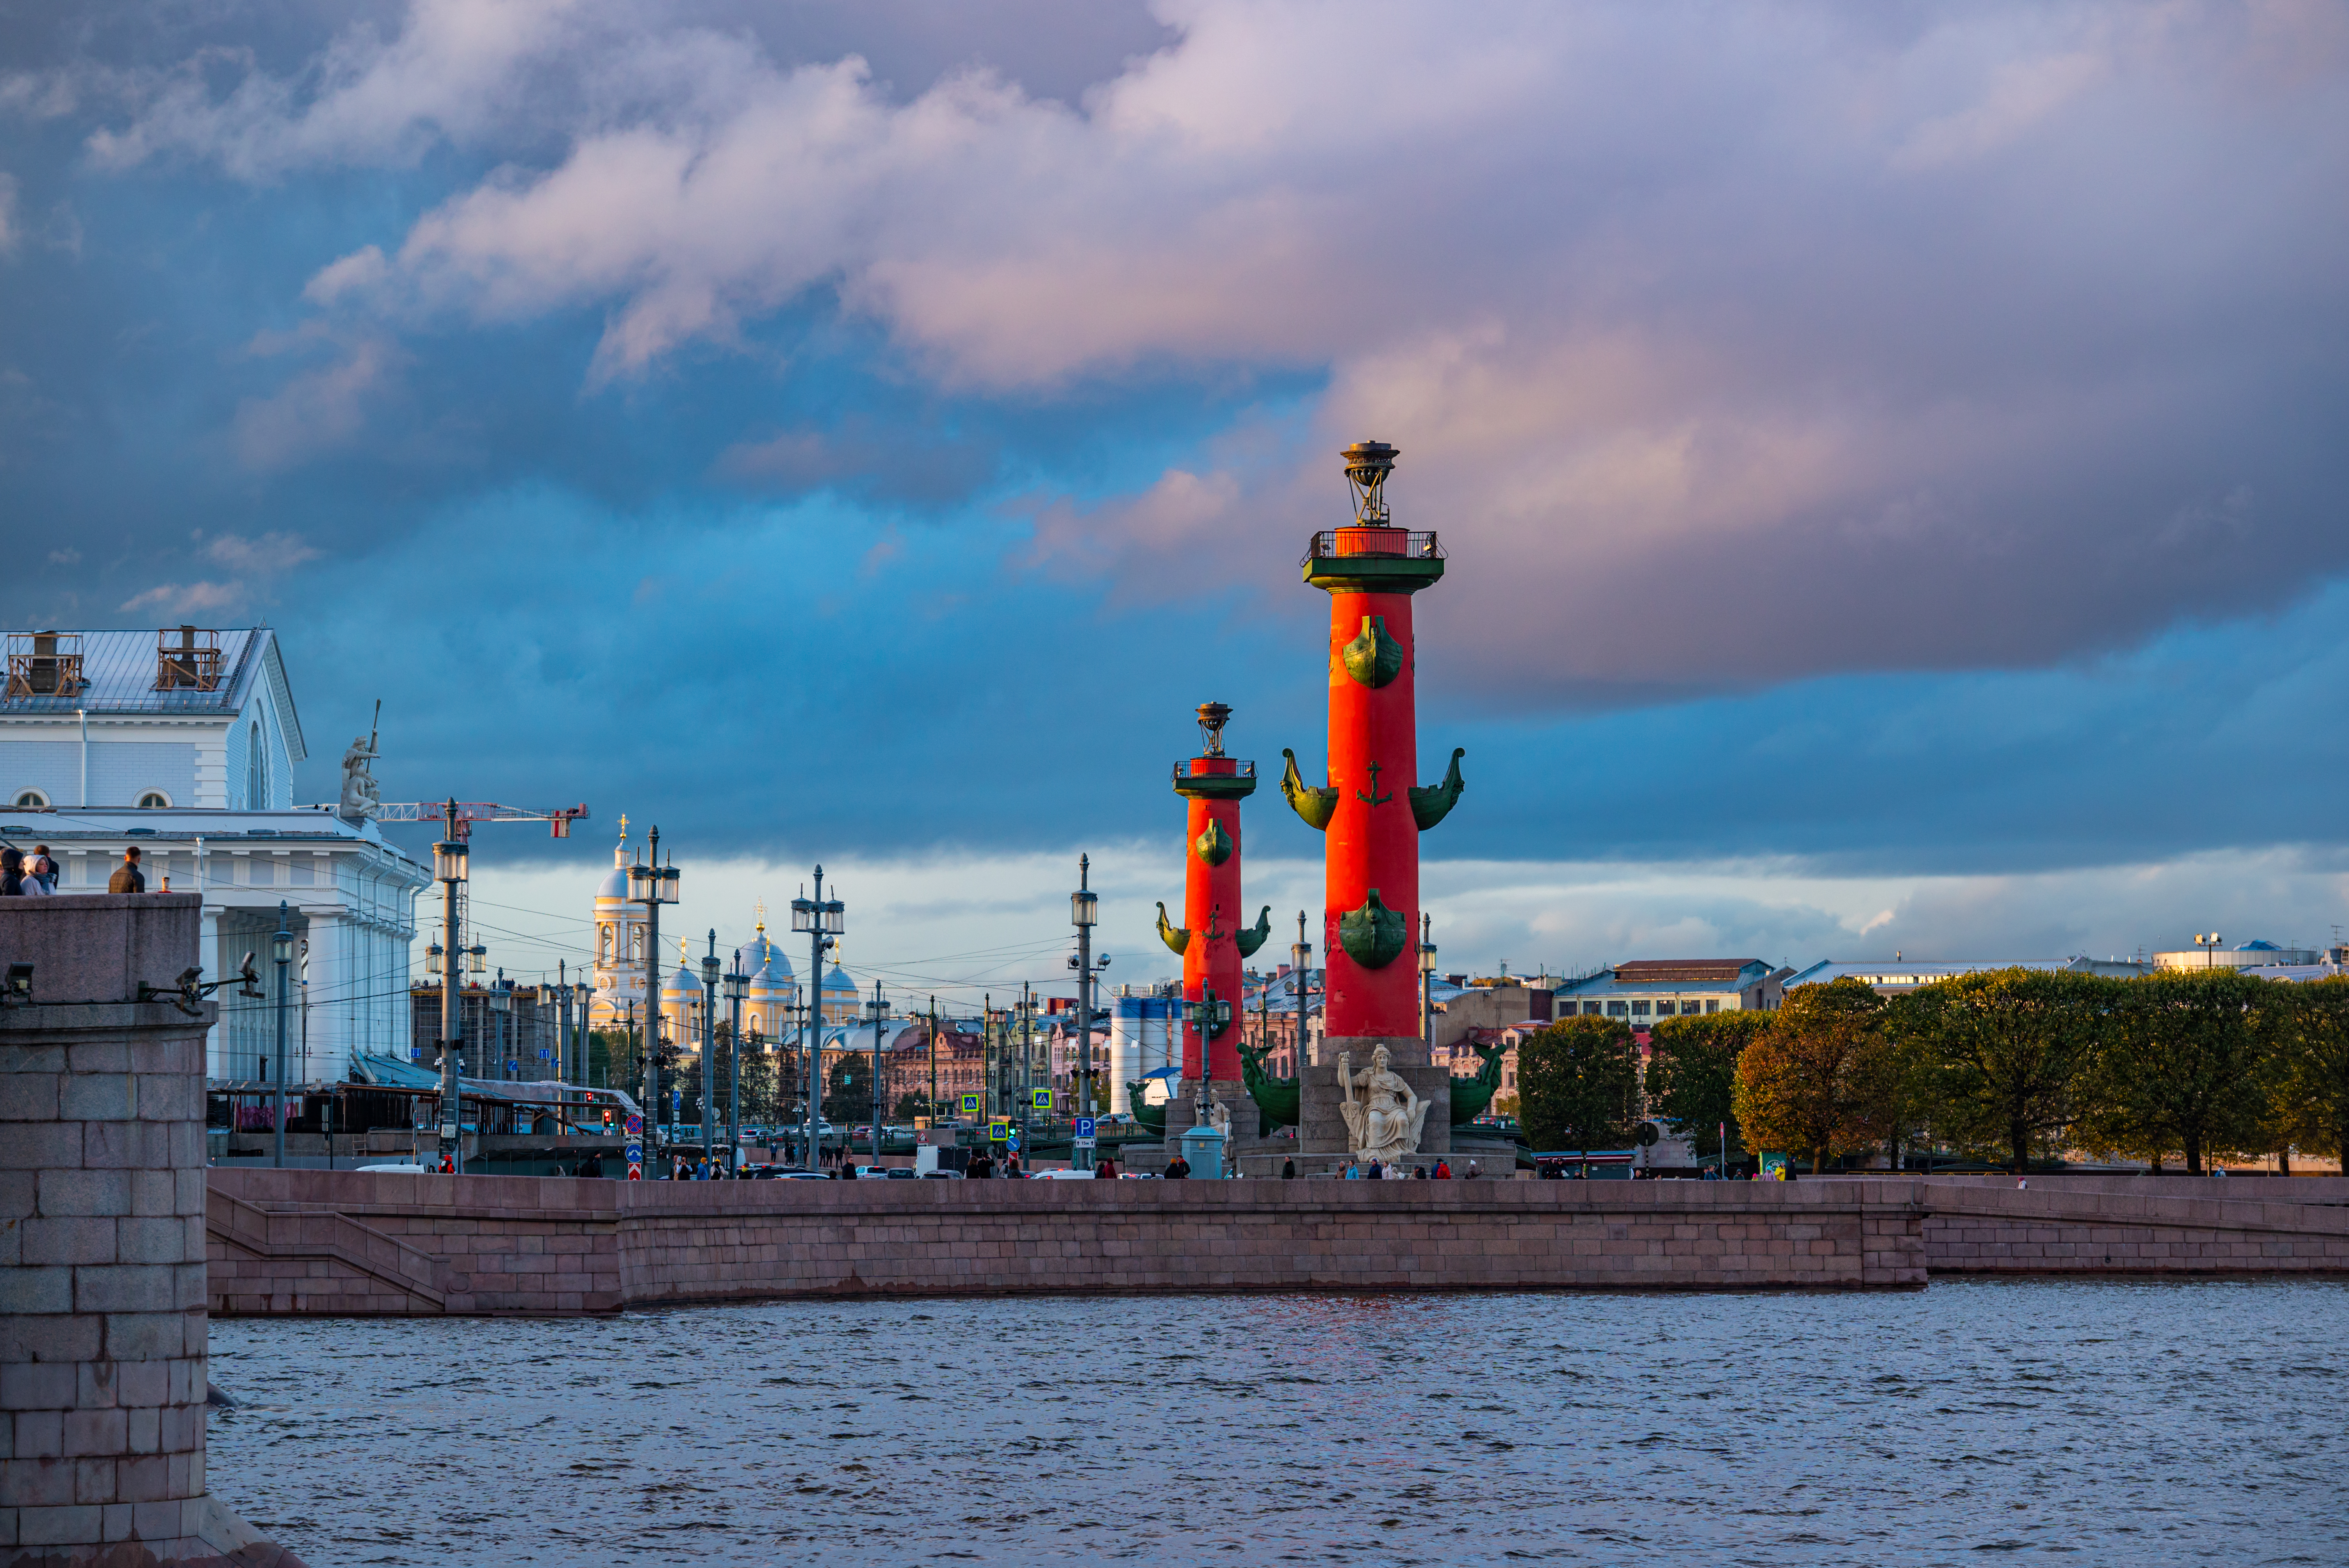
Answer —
1373 839
1211 912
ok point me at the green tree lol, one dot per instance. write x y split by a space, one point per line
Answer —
1692 1072
848 1091
2310 1036
1576 1083
611 1057
2184 1064
757 1087
2005 1057
1822 1078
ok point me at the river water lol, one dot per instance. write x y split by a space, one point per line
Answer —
2097 1422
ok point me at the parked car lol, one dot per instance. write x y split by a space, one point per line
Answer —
1060 1176
412 1169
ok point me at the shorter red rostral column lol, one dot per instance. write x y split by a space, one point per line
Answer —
1212 941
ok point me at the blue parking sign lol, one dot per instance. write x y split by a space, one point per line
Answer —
1085 1127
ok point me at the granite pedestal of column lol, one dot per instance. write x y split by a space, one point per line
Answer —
102 1315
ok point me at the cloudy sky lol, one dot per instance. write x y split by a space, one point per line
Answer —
1890 455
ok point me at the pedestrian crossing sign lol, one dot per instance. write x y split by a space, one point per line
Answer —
1000 1130
970 1105
1041 1098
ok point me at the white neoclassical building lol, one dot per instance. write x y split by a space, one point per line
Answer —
182 742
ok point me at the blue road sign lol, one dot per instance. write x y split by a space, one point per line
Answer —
1041 1098
635 1125
1085 1127
636 1154
1011 1139
970 1105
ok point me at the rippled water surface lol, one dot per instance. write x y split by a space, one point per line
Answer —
2110 1423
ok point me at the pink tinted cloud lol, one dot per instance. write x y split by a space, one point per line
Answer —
1724 345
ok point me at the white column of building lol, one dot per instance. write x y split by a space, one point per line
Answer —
334 999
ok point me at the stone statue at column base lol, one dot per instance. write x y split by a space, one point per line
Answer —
1383 1114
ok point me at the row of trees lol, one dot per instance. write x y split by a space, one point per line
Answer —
2010 1064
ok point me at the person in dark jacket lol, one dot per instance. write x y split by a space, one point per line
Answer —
12 874
127 877
1178 1169
1288 1170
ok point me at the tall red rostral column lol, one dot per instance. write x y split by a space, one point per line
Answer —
1212 941
1373 809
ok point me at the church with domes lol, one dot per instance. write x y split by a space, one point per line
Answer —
771 1012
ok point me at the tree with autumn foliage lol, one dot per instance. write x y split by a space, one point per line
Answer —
1822 1080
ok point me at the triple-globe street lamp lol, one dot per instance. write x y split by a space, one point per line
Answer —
652 884
824 920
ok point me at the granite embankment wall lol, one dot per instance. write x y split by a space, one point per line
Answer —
340 1243
2136 1225
315 1242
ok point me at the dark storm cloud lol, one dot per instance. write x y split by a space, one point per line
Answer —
659 396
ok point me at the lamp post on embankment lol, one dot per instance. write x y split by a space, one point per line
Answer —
738 990
877 1012
448 860
824 920
652 884
280 948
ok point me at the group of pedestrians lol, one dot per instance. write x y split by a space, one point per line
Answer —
36 876
1376 1171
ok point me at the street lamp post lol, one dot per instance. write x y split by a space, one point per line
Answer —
1301 964
1212 1015
2210 946
576 1033
652 884
709 1050
448 867
738 990
1084 913
824 920
876 1012
281 947
1427 985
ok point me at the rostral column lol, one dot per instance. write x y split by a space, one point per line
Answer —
1372 810
1211 939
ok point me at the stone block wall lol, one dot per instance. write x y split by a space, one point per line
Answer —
1976 1228
548 1244
102 1244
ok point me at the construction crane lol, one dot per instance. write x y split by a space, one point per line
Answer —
462 814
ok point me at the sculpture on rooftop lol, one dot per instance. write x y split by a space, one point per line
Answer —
360 797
